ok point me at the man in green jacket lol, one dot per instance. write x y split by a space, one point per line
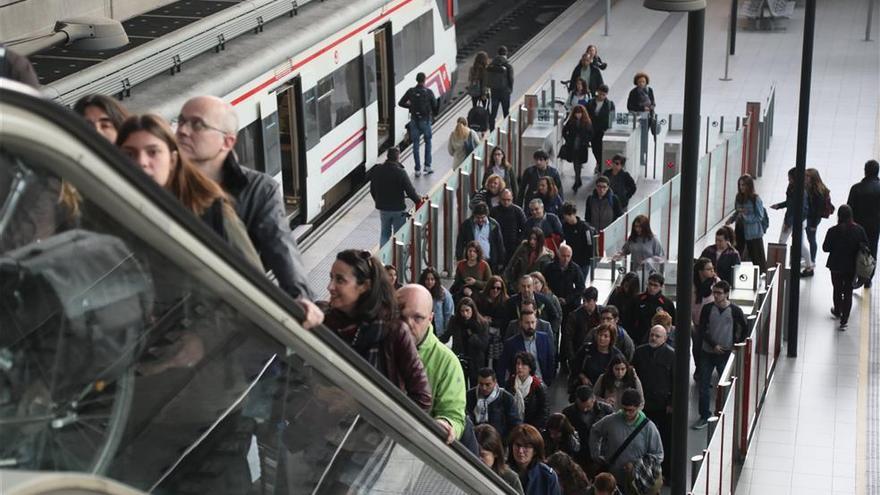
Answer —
441 364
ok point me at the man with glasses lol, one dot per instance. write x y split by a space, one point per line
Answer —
722 324
512 220
603 206
548 222
609 314
206 132
622 184
485 230
649 302
629 446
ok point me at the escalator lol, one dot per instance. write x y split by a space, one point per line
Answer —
139 354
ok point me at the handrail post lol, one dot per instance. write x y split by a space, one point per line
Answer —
739 351
449 226
464 191
696 461
477 170
416 247
400 259
433 234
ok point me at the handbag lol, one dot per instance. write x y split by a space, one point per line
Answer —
865 263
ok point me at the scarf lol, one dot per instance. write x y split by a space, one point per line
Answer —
481 411
522 389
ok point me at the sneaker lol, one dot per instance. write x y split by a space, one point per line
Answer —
835 313
429 170
700 424
867 284
418 173
807 273
844 322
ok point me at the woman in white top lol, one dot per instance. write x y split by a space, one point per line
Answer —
462 141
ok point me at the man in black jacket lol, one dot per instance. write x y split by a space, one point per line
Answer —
583 414
566 279
485 230
654 363
600 109
206 134
488 403
578 324
422 106
390 186
531 175
499 79
648 303
512 220
864 199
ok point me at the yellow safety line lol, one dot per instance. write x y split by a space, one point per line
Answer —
862 408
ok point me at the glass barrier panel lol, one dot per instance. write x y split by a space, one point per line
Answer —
641 208
702 195
675 192
715 476
734 169
716 185
386 253
615 236
660 215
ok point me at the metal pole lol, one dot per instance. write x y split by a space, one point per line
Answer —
867 25
797 216
731 39
608 15
690 153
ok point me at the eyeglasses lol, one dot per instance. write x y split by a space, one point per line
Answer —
196 124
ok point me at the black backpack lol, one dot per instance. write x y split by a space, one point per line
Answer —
496 76
421 102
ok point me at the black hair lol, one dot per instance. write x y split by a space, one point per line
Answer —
111 107
631 397
568 208
437 290
502 50
722 285
604 180
619 158
657 277
591 293
481 209
527 359
393 154
379 301
872 169
420 77
844 214
540 155
486 373
584 393
610 308
603 88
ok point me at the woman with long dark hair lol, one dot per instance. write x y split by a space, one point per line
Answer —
472 272
642 244
560 436
498 164
842 243
528 390
625 297
490 304
752 220
362 310
818 207
577 133
618 376
493 455
444 306
477 77
148 141
469 332
531 256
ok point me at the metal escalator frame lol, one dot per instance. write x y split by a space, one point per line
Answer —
104 175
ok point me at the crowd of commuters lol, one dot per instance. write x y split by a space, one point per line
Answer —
480 356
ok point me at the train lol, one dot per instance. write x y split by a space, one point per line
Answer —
315 91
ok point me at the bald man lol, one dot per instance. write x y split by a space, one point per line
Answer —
207 129
441 364
566 279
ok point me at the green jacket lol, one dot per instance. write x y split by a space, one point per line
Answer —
447 381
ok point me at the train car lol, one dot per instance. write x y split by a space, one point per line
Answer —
315 93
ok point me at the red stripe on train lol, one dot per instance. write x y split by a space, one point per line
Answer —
360 139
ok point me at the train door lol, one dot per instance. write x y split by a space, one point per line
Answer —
385 85
293 150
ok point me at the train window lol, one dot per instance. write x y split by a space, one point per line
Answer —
446 9
340 95
413 45
310 117
370 77
249 146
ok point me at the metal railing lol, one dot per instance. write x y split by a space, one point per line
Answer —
740 393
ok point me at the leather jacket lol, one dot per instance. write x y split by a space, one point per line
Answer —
260 206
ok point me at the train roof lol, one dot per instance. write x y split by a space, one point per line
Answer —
214 55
